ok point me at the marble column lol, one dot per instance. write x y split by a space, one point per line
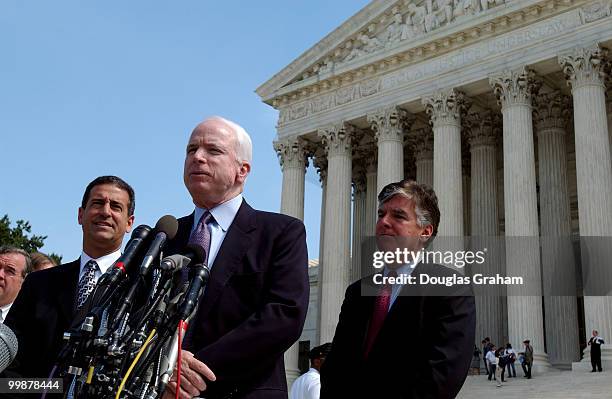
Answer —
320 163
371 211
514 90
424 155
609 112
291 154
585 69
485 223
388 125
558 271
445 109
359 200
337 235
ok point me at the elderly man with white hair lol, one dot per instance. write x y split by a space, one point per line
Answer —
254 305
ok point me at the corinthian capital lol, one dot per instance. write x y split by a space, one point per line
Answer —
446 107
585 65
389 123
337 138
553 110
515 87
481 131
319 161
291 153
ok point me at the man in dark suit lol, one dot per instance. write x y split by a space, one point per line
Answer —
402 340
49 299
254 305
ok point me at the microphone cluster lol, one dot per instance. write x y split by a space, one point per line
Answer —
123 342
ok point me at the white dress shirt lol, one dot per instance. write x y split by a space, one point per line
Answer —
306 386
4 311
224 215
405 270
104 262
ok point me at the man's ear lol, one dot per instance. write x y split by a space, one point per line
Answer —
243 171
80 215
130 223
427 232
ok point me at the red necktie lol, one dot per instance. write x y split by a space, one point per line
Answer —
381 308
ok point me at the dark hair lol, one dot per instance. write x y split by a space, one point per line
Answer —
115 181
508 345
7 249
424 197
319 352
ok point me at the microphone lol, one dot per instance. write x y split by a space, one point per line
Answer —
200 275
8 346
118 269
194 254
165 229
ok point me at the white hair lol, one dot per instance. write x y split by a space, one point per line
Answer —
244 145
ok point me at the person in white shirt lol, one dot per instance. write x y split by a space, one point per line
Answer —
308 385
492 361
15 264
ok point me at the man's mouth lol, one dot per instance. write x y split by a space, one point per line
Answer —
103 224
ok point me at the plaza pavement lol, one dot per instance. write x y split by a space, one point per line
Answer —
551 385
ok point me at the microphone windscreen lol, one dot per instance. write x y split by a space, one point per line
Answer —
168 225
141 232
8 346
198 251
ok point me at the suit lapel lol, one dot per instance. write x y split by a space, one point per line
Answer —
67 287
235 244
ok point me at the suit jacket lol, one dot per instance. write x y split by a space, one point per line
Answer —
42 311
254 305
423 349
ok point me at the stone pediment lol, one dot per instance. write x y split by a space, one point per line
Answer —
382 28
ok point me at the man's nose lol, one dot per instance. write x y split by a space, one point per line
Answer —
106 209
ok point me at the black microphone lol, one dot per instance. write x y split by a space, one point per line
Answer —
194 254
8 346
199 274
118 269
165 230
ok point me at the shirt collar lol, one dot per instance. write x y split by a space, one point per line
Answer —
104 262
4 311
224 213
405 269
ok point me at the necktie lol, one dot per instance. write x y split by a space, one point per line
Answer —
381 308
87 282
201 235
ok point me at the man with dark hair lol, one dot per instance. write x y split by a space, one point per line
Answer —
15 264
308 385
398 340
49 299
595 343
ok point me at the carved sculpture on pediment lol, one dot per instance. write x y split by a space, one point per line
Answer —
486 4
356 50
417 15
327 66
370 43
394 31
447 7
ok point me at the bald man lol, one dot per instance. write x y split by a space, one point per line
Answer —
255 302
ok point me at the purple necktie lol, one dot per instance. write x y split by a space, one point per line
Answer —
201 235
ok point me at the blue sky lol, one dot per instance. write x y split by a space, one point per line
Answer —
115 87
